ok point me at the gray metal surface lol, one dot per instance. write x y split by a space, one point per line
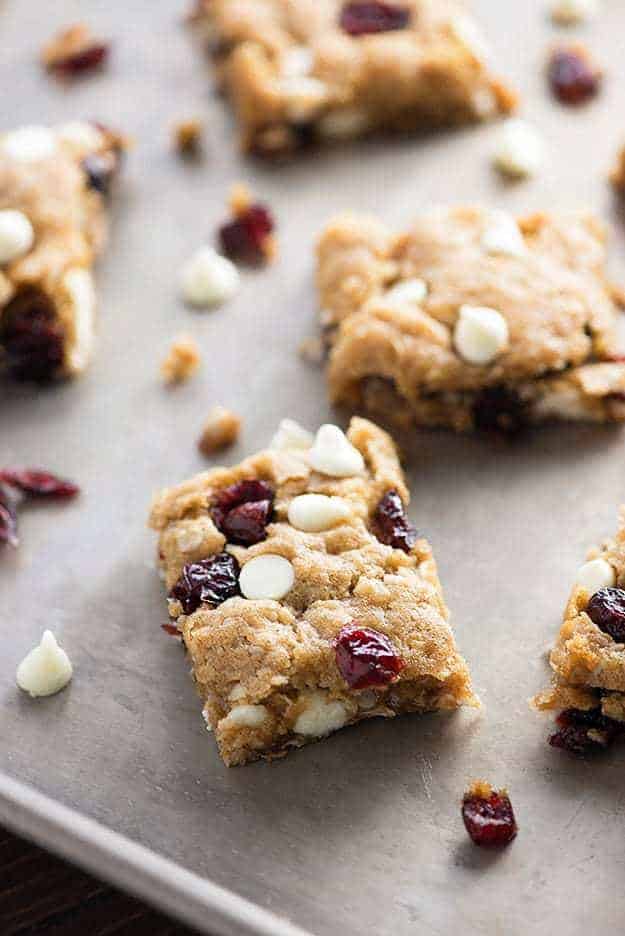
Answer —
362 832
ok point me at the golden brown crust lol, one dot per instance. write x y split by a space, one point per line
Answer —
559 310
431 73
279 655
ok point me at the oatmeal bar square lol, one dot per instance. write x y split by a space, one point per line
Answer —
304 596
328 69
53 188
471 319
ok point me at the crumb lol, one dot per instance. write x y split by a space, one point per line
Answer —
312 350
73 50
182 361
188 136
221 429
240 198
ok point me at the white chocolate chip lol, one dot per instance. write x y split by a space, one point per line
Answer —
244 716
408 292
519 151
80 292
16 235
266 576
304 96
481 334
291 435
314 513
46 669
81 136
333 454
208 279
297 61
595 574
321 716
29 144
343 124
572 12
502 235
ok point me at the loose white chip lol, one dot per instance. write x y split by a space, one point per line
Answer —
333 454
29 144
320 716
208 279
244 716
595 574
408 292
266 576
80 135
503 236
480 334
314 513
519 151
46 669
81 296
16 235
291 435
297 61
571 12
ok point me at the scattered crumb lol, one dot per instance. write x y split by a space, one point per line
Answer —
182 361
73 50
240 198
188 136
221 429
480 788
46 669
573 12
312 350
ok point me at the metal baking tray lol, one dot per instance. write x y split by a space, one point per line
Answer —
360 833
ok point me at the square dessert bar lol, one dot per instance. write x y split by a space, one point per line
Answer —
588 659
305 598
471 319
332 69
53 187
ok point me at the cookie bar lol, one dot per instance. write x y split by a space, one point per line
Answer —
327 70
304 597
588 659
471 319
53 187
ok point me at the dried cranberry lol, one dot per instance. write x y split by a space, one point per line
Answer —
100 169
373 16
208 581
245 237
391 525
584 731
573 78
8 522
171 629
606 609
365 657
499 409
83 60
38 483
243 510
488 817
32 337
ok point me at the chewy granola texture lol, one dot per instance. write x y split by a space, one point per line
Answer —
362 628
329 69
471 319
53 188
588 659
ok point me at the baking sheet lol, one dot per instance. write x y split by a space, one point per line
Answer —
361 832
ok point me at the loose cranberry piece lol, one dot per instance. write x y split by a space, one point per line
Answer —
365 657
32 337
606 609
391 525
209 581
38 483
374 16
585 731
243 510
245 237
171 629
499 409
100 169
83 60
8 522
488 816
573 78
